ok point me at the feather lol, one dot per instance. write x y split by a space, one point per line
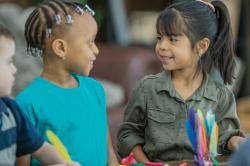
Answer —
200 142
191 117
191 135
210 118
213 141
202 134
58 146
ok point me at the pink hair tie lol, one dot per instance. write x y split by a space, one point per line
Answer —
210 5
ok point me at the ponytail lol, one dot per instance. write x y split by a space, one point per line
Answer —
222 51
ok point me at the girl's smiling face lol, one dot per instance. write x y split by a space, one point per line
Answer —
175 52
82 50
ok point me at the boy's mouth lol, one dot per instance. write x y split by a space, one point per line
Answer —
14 81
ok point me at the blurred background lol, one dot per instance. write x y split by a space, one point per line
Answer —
126 40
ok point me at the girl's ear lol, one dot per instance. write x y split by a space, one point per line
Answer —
202 46
59 47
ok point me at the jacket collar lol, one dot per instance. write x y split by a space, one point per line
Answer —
206 89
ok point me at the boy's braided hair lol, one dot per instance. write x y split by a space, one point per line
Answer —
46 18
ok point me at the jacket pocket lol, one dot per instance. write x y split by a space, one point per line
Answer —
161 126
161 116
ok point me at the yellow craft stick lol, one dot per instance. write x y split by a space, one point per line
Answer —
58 146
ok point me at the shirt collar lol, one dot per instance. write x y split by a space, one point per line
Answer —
206 90
3 107
164 83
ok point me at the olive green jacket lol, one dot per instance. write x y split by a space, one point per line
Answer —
155 117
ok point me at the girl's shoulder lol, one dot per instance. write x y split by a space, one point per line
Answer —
34 87
154 80
217 84
155 77
218 88
88 81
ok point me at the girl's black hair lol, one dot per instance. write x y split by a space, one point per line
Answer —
42 20
197 20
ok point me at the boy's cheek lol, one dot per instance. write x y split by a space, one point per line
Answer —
6 85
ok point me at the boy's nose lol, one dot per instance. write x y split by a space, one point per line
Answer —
14 69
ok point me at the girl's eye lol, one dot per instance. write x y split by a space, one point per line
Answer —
158 37
173 38
91 42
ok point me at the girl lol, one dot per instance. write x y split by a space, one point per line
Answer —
63 99
192 37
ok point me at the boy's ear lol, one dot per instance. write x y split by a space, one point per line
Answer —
202 46
59 47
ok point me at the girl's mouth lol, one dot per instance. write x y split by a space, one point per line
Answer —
165 59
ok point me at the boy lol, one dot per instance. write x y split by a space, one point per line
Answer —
17 136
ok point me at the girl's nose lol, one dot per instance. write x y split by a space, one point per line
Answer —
163 44
95 50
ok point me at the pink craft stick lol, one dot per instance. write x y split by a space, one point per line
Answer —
154 164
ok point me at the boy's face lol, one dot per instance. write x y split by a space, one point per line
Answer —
7 68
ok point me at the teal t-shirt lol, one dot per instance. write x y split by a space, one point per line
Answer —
76 115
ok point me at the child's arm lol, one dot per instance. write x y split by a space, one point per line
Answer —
47 155
23 160
230 135
112 159
234 142
139 154
132 129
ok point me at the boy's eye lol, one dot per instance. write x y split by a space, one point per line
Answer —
10 62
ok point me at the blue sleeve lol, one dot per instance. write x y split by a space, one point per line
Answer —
28 110
28 140
101 94
99 89
241 155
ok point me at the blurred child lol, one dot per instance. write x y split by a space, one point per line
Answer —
17 135
241 155
64 99
192 37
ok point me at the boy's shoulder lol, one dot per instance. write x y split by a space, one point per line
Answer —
9 102
17 130
10 106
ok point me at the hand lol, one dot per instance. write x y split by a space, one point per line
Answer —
113 163
74 164
69 164
234 142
